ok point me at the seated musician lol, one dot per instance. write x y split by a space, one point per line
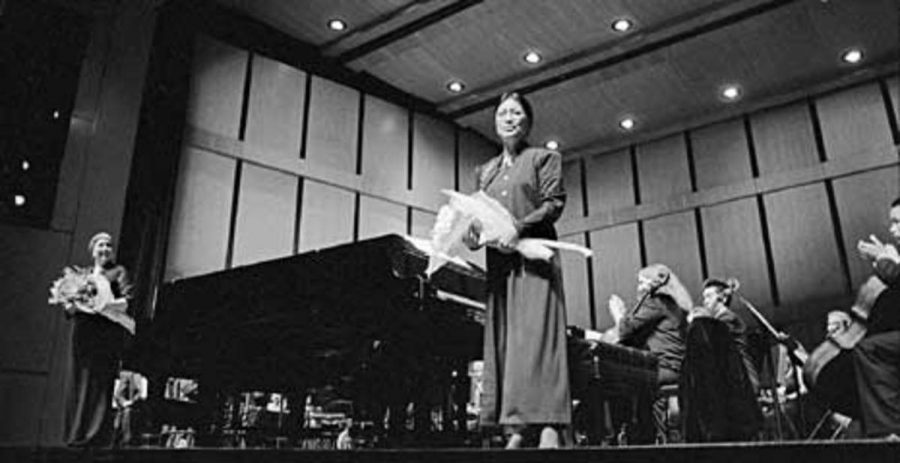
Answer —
718 394
657 323
717 298
877 356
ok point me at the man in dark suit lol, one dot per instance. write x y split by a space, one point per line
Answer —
877 356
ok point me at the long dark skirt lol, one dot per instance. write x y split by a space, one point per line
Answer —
96 344
526 374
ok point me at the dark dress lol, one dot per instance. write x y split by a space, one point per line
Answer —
96 347
526 375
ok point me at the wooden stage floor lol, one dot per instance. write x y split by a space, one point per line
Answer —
788 452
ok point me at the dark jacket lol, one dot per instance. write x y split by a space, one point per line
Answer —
658 325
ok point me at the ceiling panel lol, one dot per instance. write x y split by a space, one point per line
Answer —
666 73
486 43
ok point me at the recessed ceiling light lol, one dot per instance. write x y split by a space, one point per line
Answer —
731 92
19 200
56 114
456 86
622 25
337 24
25 164
627 123
552 144
532 57
852 56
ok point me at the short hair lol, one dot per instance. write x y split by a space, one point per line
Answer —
526 105
896 203
722 285
102 236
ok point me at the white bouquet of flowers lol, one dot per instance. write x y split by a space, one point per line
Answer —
462 211
80 290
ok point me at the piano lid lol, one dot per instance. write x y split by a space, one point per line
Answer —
308 317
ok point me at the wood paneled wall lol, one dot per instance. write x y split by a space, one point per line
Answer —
777 198
279 161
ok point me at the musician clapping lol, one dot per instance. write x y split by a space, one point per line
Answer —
657 323
877 356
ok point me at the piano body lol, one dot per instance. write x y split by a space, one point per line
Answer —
359 319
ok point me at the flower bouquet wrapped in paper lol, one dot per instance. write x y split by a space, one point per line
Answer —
80 290
493 221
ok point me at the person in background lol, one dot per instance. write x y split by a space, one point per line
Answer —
657 323
526 375
877 356
96 345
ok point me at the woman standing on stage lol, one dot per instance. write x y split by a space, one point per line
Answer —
526 376
96 346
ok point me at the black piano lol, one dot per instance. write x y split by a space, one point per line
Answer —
359 319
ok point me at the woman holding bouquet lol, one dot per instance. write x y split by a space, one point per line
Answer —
96 345
526 376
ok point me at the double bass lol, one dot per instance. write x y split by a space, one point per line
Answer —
829 373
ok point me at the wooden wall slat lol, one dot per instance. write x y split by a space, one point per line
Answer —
804 249
721 154
852 120
198 237
784 139
893 85
433 159
275 108
672 240
327 216
863 202
575 285
473 151
733 239
616 261
378 217
266 216
217 87
332 130
663 169
385 147
609 181
571 172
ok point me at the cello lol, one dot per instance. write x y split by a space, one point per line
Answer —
827 356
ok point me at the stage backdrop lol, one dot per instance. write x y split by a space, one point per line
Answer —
278 161
777 198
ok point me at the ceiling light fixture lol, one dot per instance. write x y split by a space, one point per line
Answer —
852 55
532 57
552 145
337 24
627 123
19 200
25 164
456 86
622 25
730 92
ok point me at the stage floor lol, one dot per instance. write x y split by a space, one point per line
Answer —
789 452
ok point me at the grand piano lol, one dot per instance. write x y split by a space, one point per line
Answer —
360 320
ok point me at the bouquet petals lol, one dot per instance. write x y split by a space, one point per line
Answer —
462 211
80 290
